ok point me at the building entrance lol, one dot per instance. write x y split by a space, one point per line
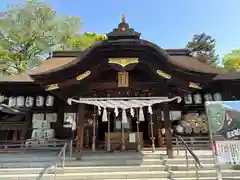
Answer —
118 118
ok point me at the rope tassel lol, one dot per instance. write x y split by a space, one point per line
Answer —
132 112
124 117
141 114
150 110
116 112
104 116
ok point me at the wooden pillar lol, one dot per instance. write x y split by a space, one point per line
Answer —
168 133
158 126
27 125
80 127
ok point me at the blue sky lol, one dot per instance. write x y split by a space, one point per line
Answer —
233 104
168 23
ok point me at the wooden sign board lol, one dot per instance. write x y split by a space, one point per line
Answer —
123 79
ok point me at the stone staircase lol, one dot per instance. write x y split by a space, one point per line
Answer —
112 166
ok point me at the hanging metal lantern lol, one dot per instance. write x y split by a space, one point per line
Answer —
12 101
208 97
217 97
197 98
20 101
39 101
29 101
2 98
188 99
49 101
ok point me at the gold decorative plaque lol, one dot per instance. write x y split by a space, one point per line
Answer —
123 61
52 87
83 76
194 85
123 79
163 74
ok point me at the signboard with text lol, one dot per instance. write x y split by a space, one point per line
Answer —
224 126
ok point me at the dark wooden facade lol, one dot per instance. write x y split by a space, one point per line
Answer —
152 72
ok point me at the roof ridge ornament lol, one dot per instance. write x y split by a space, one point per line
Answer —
123 31
123 18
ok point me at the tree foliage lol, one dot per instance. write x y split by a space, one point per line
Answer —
26 31
82 41
32 29
202 47
232 60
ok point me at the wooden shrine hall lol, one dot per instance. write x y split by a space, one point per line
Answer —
117 94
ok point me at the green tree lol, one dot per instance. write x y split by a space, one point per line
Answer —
28 31
232 60
202 47
81 41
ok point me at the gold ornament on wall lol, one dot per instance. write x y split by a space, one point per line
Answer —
163 74
83 76
194 85
51 87
123 61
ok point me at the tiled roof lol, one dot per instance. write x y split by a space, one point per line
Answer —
185 62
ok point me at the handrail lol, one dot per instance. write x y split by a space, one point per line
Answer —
53 164
197 161
190 151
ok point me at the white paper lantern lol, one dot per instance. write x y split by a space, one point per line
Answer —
39 101
49 101
179 129
217 97
12 101
197 98
29 101
49 133
208 97
20 101
74 125
2 98
188 99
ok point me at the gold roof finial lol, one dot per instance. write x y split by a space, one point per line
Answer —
123 18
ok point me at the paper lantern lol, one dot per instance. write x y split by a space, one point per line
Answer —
49 133
39 101
188 130
179 129
197 98
188 99
208 97
29 101
20 101
217 97
2 98
49 101
74 125
12 101
204 128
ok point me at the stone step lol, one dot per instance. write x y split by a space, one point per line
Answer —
177 175
106 169
182 160
207 178
91 176
74 163
204 173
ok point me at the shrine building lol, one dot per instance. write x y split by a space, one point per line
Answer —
121 93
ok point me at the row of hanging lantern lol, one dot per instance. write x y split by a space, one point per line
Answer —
29 101
198 98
